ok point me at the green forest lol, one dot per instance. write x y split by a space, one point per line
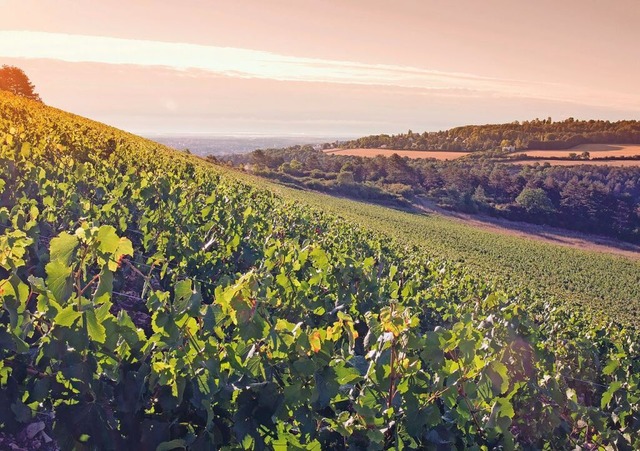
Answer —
534 134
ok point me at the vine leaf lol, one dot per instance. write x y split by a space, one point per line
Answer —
97 332
67 316
62 248
608 395
58 280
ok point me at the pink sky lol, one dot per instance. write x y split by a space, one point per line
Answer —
326 67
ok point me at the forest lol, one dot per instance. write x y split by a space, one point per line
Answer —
597 199
535 134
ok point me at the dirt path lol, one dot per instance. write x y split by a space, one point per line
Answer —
547 234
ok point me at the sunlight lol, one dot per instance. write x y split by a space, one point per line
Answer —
246 63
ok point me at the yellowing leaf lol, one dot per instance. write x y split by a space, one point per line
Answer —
315 340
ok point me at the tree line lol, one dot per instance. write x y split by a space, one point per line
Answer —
543 134
596 199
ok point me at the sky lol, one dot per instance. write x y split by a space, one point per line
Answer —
326 68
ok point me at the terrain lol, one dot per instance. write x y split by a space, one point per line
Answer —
547 234
598 154
436 154
535 134
153 300
599 277
572 162
202 144
597 199
595 151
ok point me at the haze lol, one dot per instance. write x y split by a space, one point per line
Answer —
330 68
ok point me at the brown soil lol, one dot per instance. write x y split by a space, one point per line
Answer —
542 233
437 154
623 163
595 150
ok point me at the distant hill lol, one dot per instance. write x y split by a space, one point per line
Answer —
535 134
232 144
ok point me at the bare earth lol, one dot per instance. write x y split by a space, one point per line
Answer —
542 233
595 151
622 163
437 154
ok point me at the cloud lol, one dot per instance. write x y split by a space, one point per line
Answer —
246 63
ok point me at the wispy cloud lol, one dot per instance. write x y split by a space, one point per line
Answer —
245 63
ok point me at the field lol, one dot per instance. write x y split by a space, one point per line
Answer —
595 151
620 163
437 154
152 300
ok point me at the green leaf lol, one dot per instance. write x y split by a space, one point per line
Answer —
113 246
498 374
21 346
37 284
67 316
21 411
105 287
108 239
611 367
501 414
58 282
608 395
183 295
96 330
346 375
171 445
320 258
62 248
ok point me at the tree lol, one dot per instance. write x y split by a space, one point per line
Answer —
14 80
345 178
535 201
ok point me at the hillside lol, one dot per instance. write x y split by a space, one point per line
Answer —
152 300
535 134
603 200
599 283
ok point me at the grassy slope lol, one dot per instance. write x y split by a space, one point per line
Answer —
602 283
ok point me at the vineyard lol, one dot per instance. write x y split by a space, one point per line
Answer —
599 284
150 300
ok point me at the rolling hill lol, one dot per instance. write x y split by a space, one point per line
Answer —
151 299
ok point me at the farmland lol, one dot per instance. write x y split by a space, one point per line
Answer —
437 154
595 151
620 155
598 282
615 163
152 300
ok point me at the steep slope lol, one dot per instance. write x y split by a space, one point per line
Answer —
150 300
